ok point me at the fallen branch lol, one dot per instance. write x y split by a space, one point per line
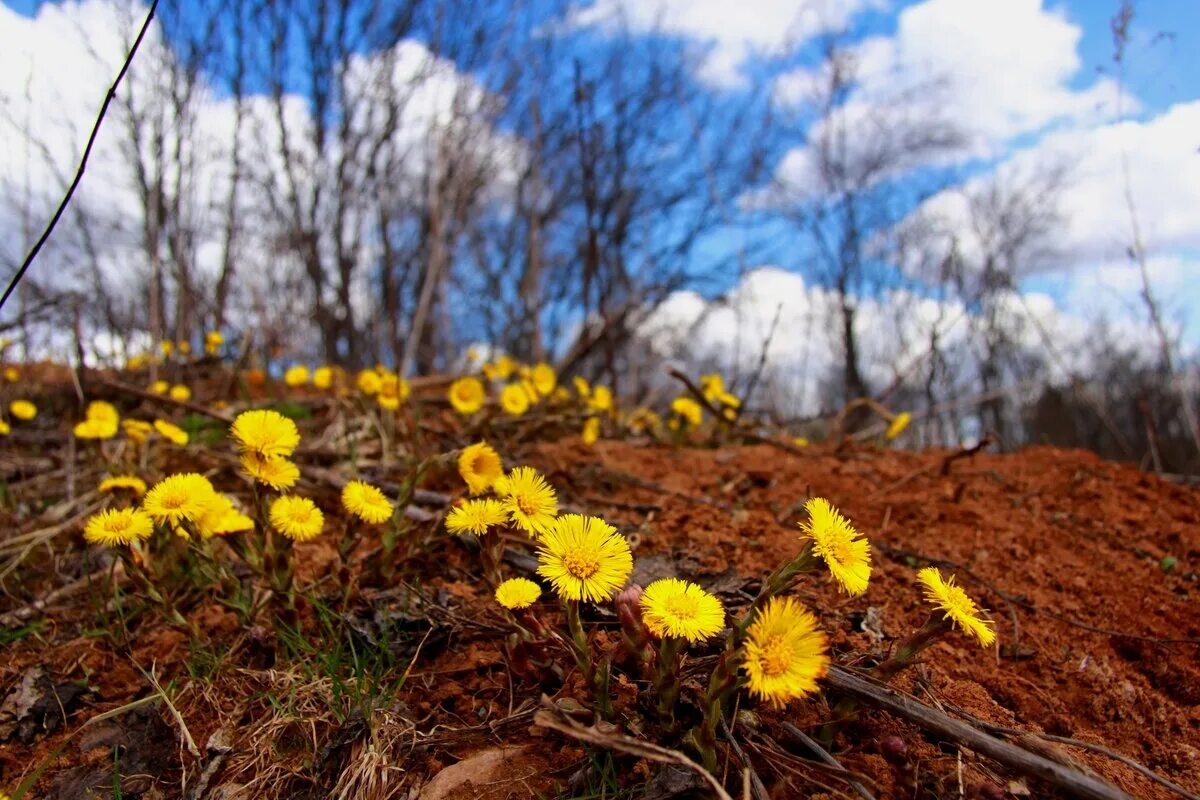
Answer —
966 452
1072 782
1091 746
195 408
815 747
546 718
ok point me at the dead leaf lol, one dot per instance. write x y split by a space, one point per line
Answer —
462 780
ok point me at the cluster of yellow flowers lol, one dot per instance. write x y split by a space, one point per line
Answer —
178 392
102 421
520 387
187 503
183 503
388 389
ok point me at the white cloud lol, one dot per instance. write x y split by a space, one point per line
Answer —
732 34
1001 69
894 333
58 65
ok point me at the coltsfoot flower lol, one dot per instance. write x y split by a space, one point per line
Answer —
480 466
681 610
897 425
23 410
118 526
297 518
177 498
265 433
130 483
366 502
530 501
785 653
584 558
467 395
958 607
476 516
276 471
169 431
843 550
517 593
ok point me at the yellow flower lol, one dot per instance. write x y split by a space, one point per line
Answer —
12 374
681 610
476 516
296 375
800 441
531 502
688 409
898 424
170 432
368 382
265 433
130 482
183 346
393 390
179 497
23 409
322 377
544 378
713 386
180 393
584 558
95 429
480 466
5 428
466 395
501 369
102 411
517 593
847 555
785 653
160 387
166 346
644 420
274 471
222 517
581 387
118 526
297 518
514 399
213 341
591 431
366 502
136 429
960 609
601 399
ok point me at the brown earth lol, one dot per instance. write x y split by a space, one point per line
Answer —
1098 642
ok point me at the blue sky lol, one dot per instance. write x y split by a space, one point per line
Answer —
1041 103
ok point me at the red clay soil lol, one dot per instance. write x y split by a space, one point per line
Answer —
1097 641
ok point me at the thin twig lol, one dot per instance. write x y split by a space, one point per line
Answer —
625 744
1072 781
195 408
87 151
823 754
1092 746
753 782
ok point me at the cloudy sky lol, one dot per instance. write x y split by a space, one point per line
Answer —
1031 80
1034 82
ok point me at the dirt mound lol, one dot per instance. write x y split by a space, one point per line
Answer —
1088 567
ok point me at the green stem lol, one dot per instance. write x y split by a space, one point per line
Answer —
666 680
596 679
